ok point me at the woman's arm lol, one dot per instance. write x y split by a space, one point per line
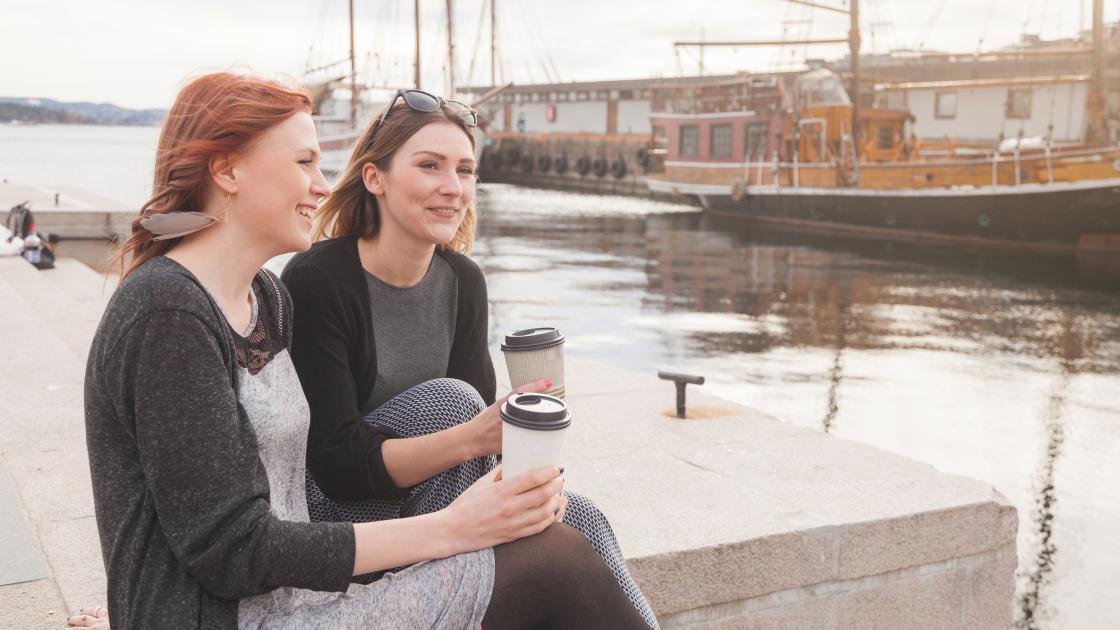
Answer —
491 512
170 385
413 460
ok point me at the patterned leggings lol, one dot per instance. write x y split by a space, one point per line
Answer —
438 405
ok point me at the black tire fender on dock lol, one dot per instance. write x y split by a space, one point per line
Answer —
599 166
618 168
641 156
544 163
561 164
493 160
527 163
583 165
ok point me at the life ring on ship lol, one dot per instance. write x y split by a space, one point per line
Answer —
641 156
739 189
561 164
544 164
583 165
599 166
618 168
527 163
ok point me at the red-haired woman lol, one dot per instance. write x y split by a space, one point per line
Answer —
197 425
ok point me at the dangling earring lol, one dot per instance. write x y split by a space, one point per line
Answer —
225 208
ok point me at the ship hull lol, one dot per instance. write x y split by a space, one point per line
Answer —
1043 217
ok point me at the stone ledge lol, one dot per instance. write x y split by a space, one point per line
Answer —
731 510
959 583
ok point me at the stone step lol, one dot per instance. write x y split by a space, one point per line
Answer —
47 321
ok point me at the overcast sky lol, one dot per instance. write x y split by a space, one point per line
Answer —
135 53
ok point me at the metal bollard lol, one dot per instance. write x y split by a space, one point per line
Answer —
681 381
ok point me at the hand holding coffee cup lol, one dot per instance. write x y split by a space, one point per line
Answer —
534 427
484 431
533 354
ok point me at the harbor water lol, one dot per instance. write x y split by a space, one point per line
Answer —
1000 367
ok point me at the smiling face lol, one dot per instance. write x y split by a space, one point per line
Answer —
279 186
424 195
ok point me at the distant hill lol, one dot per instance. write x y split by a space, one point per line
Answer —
51 111
12 112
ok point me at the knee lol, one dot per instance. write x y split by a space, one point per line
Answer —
457 396
429 407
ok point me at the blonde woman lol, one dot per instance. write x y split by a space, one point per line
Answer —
391 334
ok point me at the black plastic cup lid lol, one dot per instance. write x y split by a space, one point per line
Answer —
532 339
536 412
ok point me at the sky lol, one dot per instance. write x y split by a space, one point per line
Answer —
137 53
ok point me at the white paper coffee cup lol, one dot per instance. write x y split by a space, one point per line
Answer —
534 427
533 354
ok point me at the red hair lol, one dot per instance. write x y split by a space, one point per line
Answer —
214 115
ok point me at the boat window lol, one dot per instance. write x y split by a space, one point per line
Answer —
945 105
756 142
885 137
891 99
690 141
721 141
1018 103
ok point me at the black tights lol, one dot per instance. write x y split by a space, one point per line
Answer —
553 581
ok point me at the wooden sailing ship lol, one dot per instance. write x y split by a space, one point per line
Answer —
807 156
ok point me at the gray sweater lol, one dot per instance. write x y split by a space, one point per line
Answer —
181 496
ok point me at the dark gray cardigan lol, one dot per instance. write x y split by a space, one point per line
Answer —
181 496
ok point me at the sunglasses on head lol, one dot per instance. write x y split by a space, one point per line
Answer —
421 101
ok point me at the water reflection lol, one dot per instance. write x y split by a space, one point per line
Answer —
1034 611
837 371
932 353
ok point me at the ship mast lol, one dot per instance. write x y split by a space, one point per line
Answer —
1097 134
450 51
353 74
493 41
853 55
416 11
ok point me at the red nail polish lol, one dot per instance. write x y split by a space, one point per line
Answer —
548 383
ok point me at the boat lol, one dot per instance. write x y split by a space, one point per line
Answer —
806 156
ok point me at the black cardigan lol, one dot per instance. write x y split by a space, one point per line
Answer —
181 496
336 358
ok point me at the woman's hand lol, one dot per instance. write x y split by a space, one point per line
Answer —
484 431
494 510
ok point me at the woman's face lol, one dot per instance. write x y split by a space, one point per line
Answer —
429 185
279 185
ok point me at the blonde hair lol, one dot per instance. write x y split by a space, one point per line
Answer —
352 210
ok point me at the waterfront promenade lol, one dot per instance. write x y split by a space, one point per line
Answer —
730 519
